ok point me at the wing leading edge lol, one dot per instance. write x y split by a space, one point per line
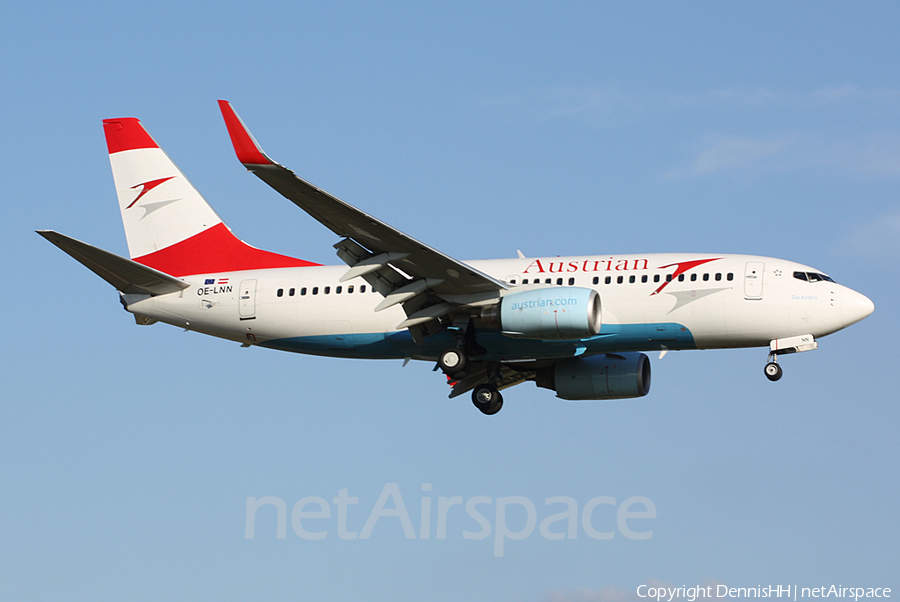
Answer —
400 267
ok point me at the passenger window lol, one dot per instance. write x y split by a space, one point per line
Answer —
524 280
632 279
362 288
730 276
655 277
512 280
705 277
608 279
548 280
668 277
644 278
596 280
349 289
559 282
327 290
291 293
718 276
315 290
280 292
303 291
620 279
571 282
337 291
693 277
680 277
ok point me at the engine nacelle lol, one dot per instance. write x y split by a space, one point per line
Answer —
611 376
556 313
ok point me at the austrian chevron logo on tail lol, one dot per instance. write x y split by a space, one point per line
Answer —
147 187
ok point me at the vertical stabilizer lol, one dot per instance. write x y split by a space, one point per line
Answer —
159 206
168 223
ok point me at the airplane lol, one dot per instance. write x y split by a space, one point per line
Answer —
579 326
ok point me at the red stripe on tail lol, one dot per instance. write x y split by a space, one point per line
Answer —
216 250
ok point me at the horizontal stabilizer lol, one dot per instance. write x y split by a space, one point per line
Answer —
125 275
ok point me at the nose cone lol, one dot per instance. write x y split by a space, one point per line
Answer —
855 307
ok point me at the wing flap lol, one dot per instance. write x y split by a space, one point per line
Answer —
508 378
125 275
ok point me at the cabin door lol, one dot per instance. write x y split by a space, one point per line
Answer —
247 302
753 280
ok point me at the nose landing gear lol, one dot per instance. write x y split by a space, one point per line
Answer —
806 342
773 370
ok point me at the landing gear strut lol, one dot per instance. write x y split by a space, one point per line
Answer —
487 399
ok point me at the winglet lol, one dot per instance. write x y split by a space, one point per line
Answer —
245 146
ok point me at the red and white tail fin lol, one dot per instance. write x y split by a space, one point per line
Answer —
168 224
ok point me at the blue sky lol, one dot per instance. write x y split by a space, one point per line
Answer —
127 453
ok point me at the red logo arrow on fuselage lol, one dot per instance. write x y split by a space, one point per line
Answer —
683 267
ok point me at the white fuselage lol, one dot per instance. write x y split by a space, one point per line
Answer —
712 301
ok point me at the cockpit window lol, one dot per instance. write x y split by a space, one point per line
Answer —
812 277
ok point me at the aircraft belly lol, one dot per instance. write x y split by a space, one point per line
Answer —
399 344
393 345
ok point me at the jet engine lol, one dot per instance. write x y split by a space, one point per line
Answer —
610 376
556 313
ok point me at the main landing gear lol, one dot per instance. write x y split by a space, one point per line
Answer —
452 361
487 399
485 396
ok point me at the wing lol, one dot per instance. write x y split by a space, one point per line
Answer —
429 284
